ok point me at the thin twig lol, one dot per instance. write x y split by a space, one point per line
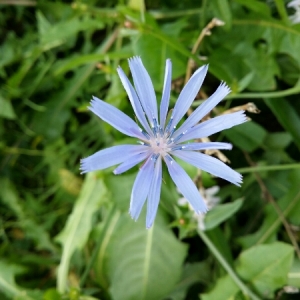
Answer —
267 195
205 31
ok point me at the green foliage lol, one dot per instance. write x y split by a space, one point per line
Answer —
68 236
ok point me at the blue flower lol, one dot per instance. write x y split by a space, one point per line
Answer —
160 140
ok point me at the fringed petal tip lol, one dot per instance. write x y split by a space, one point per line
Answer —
135 58
204 209
240 181
93 103
226 88
83 166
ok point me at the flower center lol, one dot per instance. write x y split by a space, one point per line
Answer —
159 145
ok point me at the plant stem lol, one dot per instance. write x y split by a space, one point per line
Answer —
267 168
226 266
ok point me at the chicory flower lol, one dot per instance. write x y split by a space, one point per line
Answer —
160 139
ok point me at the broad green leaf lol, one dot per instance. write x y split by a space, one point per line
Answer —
120 189
248 136
79 224
7 281
159 50
287 116
192 273
140 264
220 213
266 267
280 38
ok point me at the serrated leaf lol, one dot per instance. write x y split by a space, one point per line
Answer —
32 229
221 213
140 264
7 281
79 224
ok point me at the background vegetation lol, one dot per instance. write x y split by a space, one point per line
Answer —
67 236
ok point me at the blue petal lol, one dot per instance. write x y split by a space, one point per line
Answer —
204 146
131 162
154 194
188 94
141 188
185 185
115 118
213 125
110 157
144 87
134 100
164 104
222 91
210 165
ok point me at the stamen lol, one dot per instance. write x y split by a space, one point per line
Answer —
161 131
179 136
154 157
169 125
155 127
143 143
146 134
172 132
177 148
169 158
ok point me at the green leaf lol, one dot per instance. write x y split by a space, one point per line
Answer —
220 213
248 136
140 264
256 6
289 205
7 281
79 224
294 274
32 229
6 109
159 50
192 274
266 266
225 289
120 190
287 117
77 61
222 11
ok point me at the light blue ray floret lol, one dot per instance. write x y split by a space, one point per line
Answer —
160 140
